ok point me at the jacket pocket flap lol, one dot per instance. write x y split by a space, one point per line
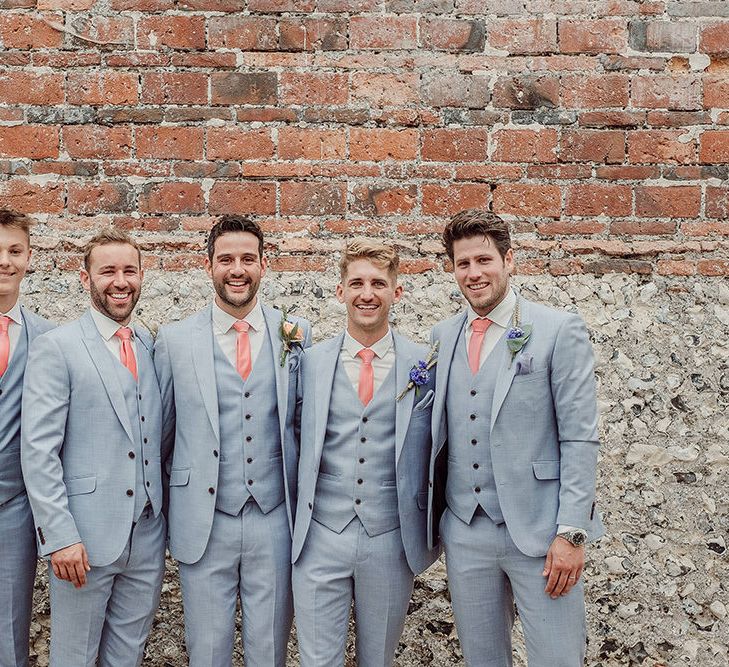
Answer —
179 477
546 469
79 485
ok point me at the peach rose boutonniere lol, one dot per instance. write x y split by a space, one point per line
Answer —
291 334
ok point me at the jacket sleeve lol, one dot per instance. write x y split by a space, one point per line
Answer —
575 406
46 394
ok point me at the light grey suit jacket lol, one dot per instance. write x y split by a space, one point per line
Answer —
543 436
412 443
75 437
11 476
191 430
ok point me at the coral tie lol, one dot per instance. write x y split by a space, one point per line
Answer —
366 385
243 349
479 327
127 353
4 343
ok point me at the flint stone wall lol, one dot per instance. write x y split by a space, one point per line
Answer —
657 583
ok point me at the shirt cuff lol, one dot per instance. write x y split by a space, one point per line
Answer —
565 529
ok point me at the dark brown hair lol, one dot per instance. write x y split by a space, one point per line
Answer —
234 223
475 222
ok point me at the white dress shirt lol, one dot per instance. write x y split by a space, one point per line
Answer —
227 336
107 328
382 362
500 317
14 327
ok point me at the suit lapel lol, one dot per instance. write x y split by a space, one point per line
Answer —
404 407
204 364
105 365
323 391
508 368
446 349
273 321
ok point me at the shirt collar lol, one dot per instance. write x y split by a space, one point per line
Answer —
380 348
500 314
223 322
106 326
15 314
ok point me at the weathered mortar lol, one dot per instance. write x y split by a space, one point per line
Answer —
657 583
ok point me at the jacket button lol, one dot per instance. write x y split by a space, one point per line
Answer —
250 482
473 417
130 493
147 484
357 501
361 460
215 453
363 439
474 441
311 506
249 460
477 489
359 481
211 490
145 441
248 438
140 397
132 455
364 419
142 417
473 392
248 416
247 394
146 462
475 466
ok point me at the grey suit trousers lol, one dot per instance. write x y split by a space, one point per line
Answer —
110 617
333 569
486 575
17 573
248 555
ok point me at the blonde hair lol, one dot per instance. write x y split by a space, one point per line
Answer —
379 254
106 237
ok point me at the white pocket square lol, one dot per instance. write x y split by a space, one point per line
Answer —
524 364
426 401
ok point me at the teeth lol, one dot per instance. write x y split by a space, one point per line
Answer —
478 286
367 307
119 295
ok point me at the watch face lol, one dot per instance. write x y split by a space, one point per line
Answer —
578 538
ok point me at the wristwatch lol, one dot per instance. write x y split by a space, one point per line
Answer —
576 538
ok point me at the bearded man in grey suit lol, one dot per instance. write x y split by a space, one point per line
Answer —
361 528
90 450
228 376
18 328
514 456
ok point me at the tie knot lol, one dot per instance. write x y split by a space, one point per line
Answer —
4 323
241 326
480 325
366 355
125 333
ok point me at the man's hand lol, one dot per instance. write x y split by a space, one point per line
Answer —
563 567
71 564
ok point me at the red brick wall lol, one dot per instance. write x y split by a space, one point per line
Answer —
601 126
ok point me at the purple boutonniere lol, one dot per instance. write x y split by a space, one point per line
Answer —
420 372
518 335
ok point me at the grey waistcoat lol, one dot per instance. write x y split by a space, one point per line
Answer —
470 472
250 440
11 395
138 406
357 469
